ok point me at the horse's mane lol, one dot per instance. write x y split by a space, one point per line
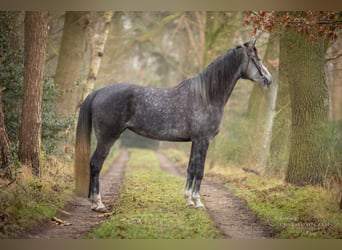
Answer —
212 83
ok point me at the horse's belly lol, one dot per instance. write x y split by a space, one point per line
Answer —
160 130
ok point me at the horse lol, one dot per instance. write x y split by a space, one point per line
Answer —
190 111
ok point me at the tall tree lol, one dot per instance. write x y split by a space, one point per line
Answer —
71 60
279 148
334 76
11 70
97 35
8 44
220 35
262 104
4 141
36 27
304 62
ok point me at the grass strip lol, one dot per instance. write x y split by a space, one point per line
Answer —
151 206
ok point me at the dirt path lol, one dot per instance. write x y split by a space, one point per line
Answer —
78 212
229 212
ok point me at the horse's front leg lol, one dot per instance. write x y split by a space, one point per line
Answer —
195 171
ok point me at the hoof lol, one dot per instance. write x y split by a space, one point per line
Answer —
188 200
97 205
190 203
198 203
98 208
201 207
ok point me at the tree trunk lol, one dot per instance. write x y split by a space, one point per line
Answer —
271 62
36 27
71 60
195 25
97 41
261 109
4 141
334 76
279 148
304 62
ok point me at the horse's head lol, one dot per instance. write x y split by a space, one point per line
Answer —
252 67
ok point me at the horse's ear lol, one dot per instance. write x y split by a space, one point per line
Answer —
250 43
253 41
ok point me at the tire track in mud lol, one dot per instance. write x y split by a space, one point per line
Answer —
78 212
230 213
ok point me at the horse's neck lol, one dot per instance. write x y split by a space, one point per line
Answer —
229 89
226 84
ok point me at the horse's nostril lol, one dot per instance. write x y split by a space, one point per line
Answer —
266 81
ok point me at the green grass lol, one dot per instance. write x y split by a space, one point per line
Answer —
151 206
294 212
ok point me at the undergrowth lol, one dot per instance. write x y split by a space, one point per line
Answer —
27 200
151 206
293 212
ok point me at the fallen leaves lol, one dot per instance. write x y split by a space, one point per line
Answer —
105 215
60 222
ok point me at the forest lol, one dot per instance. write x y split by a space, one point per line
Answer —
278 149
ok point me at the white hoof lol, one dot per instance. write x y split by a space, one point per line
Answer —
97 205
189 203
197 201
199 204
188 199
98 208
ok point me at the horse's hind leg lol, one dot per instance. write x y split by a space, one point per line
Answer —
96 162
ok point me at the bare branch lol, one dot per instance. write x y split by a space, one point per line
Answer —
333 58
192 41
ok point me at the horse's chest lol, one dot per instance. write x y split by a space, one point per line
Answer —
206 123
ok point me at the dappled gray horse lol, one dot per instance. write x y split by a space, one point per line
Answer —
191 111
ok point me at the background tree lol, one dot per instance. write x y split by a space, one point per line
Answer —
334 76
11 71
5 152
261 109
222 32
97 36
36 27
8 42
71 61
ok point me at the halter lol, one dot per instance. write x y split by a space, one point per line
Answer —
254 60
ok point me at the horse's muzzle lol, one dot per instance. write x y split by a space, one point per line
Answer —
267 80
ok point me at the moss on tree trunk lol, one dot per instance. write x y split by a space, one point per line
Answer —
304 64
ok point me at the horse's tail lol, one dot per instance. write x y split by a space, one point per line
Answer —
82 148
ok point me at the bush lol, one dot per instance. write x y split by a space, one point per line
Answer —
11 73
55 131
